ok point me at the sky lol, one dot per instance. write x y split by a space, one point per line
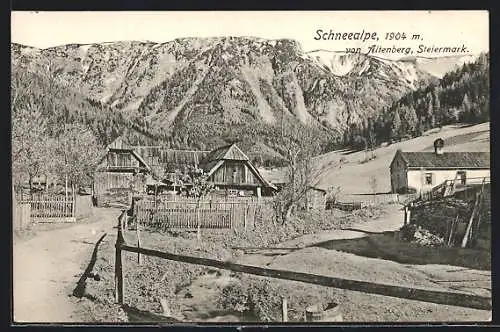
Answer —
436 28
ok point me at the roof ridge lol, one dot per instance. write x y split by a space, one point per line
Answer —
160 147
454 159
234 146
242 151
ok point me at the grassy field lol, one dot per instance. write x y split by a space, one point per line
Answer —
353 176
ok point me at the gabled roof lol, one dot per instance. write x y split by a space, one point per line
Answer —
259 176
208 167
228 152
126 150
468 160
170 159
116 144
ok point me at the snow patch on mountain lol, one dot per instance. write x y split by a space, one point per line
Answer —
84 49
339 64
442 65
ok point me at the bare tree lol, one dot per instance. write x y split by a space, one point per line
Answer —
44 141
300 144
77 154
30 147
199 188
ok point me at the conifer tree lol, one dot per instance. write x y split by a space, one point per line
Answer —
396 126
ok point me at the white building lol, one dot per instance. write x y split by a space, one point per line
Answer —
425 170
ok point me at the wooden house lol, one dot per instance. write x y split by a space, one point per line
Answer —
119 172
228 168
425 170
232 173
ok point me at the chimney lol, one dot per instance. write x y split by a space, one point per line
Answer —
438 146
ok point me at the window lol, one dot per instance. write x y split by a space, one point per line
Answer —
111 159
234 174
428 178
462 176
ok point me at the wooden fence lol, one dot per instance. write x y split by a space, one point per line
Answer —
450 188
350 202
417 294
188 213
21 216
447 188
343 206
52 207
370 199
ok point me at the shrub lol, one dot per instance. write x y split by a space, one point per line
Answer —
407 232
261 297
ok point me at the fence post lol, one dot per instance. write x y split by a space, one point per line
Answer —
245 216
469 225
284 309
73 207
118 262
452 228
406 213
407 216
139 256
231 217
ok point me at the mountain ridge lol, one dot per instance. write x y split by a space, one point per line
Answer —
197 92
145 41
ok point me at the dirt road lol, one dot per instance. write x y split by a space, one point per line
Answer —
47 267
349 253
391 221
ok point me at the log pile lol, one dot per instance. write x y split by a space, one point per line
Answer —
452 219
437 216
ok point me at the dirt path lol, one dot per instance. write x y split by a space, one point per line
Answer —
391 221
47 267
348 259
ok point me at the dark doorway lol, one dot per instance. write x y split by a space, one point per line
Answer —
462 176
